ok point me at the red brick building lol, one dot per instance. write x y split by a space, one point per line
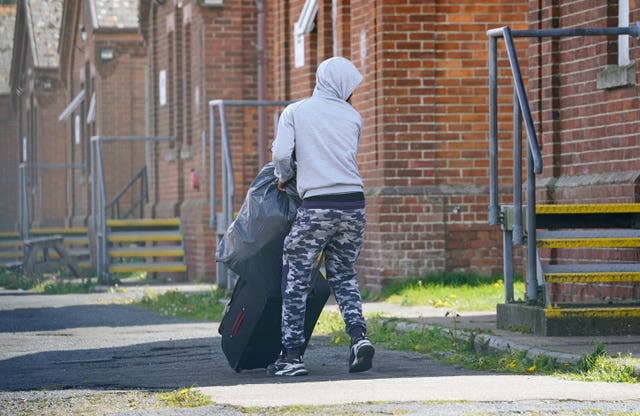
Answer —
37 96
197 53
9 156
406 198
102 66
424 102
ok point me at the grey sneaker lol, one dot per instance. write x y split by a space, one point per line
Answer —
287 367
361 355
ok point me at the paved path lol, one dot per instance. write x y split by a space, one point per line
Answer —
86 342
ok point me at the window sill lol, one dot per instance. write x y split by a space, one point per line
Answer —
614 76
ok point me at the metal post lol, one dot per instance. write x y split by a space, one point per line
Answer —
24 202
212 169
532 280
507 264
101 233
517 172
221 269
493 132
223 278
94 206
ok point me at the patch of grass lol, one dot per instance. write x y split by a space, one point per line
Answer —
49 284
16 281
185 397
320 410
202 306
53 285
459 291
451 348
600 366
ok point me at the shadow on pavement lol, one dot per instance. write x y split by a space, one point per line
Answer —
192 362
78 316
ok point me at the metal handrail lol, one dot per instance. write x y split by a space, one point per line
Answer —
99 196
143 195
534 155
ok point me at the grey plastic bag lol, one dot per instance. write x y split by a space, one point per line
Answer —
252 245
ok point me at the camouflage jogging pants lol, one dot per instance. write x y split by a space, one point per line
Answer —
338 233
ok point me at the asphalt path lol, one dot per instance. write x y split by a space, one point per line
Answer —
87 342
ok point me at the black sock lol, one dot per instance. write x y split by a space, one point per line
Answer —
293 353
356 332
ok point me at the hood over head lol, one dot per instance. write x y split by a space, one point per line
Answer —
337 77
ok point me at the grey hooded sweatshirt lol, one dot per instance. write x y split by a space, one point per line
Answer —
324 131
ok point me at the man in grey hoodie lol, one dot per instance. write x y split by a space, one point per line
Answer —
323 132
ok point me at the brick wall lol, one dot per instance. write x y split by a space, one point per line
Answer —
424 105
119 89
585 131
9 161
48 187
207 53
42 140
588 134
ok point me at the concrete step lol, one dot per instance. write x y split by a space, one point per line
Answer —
592 273
588 239
144 223
11 254
157 251
621 215
168 267
575 321
64 231
616 208
11 244
144 236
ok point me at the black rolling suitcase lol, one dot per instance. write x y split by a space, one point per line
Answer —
252 247
250 328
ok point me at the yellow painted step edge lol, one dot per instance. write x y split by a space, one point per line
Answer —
621 208
58 230
159 252
610 242
11 244
593 277
67 242
151 267
622 312
9 234
146 222
141 237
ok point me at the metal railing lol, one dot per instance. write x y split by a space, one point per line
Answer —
115 206
220 221
515 235
99 197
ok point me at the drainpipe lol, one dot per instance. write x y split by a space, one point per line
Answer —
260 61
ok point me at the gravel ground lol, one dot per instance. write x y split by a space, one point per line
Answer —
141 403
